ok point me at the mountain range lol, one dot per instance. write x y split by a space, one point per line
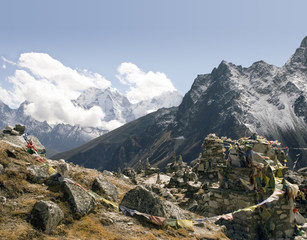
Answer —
232 101
61 137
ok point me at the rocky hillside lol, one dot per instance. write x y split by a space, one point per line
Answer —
79 203
210 199
230 101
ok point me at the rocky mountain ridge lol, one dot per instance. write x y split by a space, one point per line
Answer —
230 101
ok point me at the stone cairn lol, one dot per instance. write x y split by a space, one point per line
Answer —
175 166
181 173
149 170
17 130
248 178
211 156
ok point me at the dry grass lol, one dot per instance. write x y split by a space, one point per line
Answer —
90 228
22 195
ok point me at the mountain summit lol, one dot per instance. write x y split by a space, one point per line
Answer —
117 110
304 43
231 101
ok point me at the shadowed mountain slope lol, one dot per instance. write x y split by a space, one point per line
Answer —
231 101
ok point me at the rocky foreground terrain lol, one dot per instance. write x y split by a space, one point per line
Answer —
36 205
244 192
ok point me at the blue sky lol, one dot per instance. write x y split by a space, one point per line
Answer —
180 38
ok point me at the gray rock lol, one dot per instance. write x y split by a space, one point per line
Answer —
46 216
1 169
9 128
151 170
294 177
20 128
303 171
63 169
37 173
103 187
81 203
15 133
145 201
107 173
193 186
304 227
19 141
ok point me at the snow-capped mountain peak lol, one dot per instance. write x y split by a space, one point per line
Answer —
116 108
115 105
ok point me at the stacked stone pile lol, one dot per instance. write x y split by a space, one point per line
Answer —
182 175
273 221
212 154
263 151
149 170
17 130
255 168
129 172
175 166
16 137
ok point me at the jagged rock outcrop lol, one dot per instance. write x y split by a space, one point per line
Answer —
46 216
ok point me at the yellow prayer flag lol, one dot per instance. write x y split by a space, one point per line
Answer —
109 202
186 224
50 170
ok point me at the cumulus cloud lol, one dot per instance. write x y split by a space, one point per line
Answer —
3 66
50 87
143 85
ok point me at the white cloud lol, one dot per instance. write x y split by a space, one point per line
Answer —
3 66
50 86
143 85
42 66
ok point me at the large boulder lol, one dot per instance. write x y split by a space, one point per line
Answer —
37 173
103 187
46 216
81 203
145 201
